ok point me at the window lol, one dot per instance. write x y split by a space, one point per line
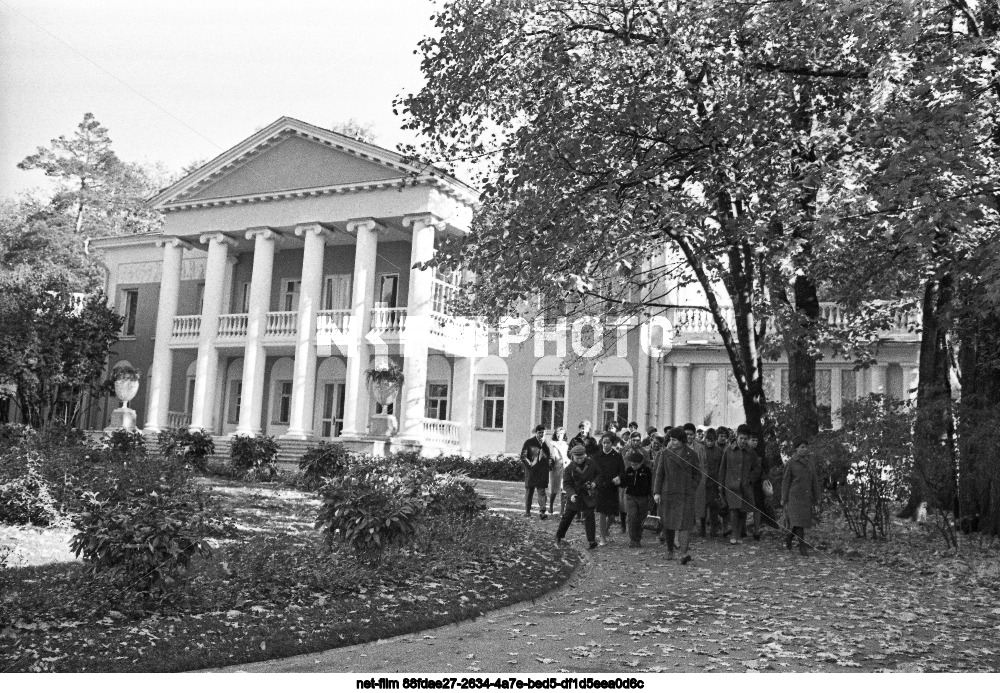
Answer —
189 399
848 385
824 404
614 404
437 401
491 412
130 306
245 302
388 291
284 402
337 292
552 404
332 421
290 294
235 400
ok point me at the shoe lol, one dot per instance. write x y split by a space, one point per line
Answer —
634 545
593 545
686 559
559 541
527 514
663 540
727 532
734 540
602 543
670 555
542 516
756 537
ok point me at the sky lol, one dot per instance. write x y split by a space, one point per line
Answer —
178 81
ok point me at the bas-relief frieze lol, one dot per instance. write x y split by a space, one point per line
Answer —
151 272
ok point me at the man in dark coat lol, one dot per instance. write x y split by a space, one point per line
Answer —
713 502
579 484
674 487
537 462
800 493
609 466
738 472
586 439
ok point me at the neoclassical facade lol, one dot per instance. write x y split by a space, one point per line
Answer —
285 269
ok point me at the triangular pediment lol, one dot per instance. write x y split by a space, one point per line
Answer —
291 155
293 163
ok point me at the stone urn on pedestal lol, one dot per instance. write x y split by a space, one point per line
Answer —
384 381
126 380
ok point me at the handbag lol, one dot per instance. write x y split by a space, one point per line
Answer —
768 488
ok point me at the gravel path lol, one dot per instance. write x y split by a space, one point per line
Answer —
754 606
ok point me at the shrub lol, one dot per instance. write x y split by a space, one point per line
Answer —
193 447
254 458
144 542
367 509
497 468
16 436
25 499
451 495
123 440
323 462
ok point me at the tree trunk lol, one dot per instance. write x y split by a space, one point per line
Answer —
801 363
933 454
979 422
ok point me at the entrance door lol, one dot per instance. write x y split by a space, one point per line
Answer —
332 422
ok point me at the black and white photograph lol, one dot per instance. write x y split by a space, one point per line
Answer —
500 344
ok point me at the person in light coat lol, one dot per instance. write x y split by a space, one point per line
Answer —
800 493
559 449
674 486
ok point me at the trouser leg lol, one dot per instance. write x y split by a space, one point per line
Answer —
670 535
541 500
529 493
603 525
737 520
565 522
588 524
636 511
683 539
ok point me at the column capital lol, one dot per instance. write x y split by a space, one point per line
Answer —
679 365
217 237
427 218
265 232
356 225
174 242
314 228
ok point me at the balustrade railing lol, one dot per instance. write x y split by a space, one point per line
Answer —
329 320
282 324
186 327
178 419
388 320
696 320
233 325
443 432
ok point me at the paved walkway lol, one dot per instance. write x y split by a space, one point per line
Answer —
753 606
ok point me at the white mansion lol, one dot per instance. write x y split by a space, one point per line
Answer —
283 272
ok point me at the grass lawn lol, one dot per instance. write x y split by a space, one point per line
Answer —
273 589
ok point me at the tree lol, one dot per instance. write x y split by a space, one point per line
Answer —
609 130
363 132
103 194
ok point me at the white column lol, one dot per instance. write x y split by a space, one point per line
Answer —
362 302
666 397
463 402
300 425
642 391
836 392
416 335
216 270
911 380
254 355
878 378
682 394
163 358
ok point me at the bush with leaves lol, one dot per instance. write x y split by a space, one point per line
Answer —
143 542
868 461
25 496
125 440
322 463
369 509
254 458
193 447
451 495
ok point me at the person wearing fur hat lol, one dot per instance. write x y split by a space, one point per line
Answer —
800 492
674 486
579 482
738 472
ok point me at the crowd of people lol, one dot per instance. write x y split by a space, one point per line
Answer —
709 480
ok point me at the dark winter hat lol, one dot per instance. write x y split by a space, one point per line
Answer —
578 450
635 457
742 430
799 440
677 433
690 427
